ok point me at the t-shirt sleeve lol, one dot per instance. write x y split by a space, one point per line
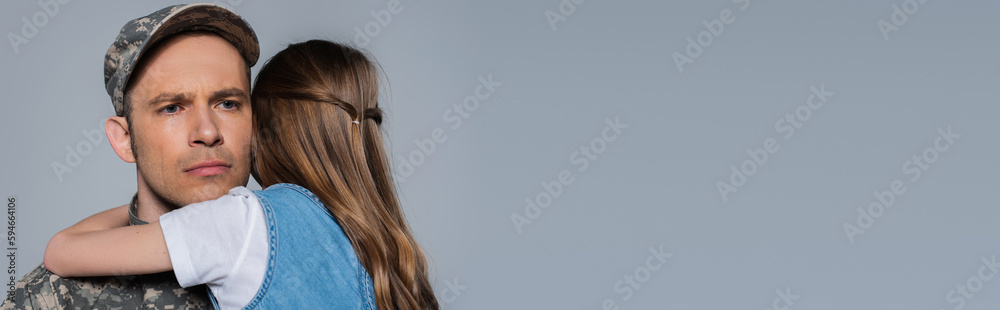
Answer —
208 240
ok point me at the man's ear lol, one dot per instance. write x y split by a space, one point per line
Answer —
117 130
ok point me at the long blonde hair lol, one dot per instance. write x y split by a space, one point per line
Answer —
317 124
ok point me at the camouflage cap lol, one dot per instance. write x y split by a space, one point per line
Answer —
142 33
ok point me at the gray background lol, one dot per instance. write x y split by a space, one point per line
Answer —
653 186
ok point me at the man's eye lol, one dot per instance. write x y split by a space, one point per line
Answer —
171 108
228 104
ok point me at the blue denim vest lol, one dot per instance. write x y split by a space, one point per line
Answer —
311 263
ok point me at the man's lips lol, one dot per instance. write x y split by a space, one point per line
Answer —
208 168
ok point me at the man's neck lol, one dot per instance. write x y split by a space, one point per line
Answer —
147 206
141 216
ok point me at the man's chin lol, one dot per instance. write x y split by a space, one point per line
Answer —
204 192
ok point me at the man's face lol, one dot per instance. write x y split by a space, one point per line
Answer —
191 119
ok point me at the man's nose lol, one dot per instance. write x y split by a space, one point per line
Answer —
206 130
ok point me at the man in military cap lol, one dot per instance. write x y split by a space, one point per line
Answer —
179 80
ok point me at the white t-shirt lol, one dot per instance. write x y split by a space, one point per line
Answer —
221 243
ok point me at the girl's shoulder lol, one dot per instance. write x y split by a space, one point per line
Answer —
285 190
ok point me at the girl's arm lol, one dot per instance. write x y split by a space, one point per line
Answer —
104 244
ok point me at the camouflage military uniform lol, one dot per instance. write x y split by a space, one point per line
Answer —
41 289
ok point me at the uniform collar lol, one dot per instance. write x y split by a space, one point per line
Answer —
133 212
